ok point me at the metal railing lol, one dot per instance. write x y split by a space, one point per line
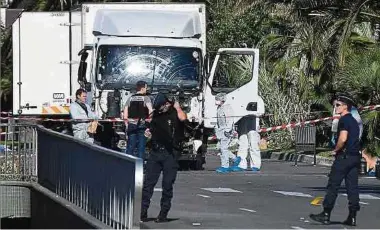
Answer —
18 152
105 183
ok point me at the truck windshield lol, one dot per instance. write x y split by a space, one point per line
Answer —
121 67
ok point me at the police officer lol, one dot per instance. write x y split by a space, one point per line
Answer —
345 166
136 113
166 130
355 113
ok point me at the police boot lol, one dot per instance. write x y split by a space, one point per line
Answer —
162 217
323 217
144 215
351 219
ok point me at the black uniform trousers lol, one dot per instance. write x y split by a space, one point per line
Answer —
344 167
159 160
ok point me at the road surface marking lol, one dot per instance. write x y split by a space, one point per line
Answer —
221 190
295 227
361 202
158 189
196 224
201 195
366 197
317 201
293 194
367 177
248 210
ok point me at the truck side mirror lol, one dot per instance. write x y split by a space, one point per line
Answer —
82 70
206 65
87 86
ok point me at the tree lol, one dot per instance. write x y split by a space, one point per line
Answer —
361 77
239 23
6 66
314 41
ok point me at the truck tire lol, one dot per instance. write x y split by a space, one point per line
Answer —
184 165
198 164
200 160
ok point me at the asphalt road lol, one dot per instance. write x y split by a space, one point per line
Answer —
277 197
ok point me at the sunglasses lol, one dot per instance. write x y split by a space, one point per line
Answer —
338 105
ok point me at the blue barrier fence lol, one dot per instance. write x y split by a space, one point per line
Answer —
105 183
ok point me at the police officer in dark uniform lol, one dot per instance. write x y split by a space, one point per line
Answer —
136 115
345 166
166 128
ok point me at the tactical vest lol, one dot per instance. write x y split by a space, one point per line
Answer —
137 108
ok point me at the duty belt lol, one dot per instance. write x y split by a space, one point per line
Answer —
344 155
158 147
138 121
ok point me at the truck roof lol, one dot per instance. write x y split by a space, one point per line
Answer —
144 19
147 23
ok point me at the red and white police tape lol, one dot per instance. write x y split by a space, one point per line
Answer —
262 130
302 123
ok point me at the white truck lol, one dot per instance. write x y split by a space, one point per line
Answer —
107 47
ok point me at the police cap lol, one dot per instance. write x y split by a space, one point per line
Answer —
159 100
345 98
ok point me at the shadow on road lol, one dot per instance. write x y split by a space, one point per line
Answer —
313 223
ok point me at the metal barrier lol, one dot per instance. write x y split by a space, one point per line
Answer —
18 152
105 183
305 138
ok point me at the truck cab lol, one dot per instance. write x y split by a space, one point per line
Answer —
111 46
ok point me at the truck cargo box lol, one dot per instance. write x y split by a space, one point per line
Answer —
45 62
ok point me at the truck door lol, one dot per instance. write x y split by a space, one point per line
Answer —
41 63
234 72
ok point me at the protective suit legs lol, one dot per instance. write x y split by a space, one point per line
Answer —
250 143
226 154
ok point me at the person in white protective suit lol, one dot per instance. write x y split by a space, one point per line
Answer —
223 131
83 130
249 140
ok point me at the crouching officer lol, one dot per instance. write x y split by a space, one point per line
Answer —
345 166
166 130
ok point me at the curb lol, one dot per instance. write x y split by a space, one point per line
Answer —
290 156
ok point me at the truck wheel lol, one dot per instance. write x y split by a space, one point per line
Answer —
184 165
197 164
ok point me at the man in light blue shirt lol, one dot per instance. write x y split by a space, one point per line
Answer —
80 110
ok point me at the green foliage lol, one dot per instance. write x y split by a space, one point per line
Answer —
361 77
6 65
236 23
